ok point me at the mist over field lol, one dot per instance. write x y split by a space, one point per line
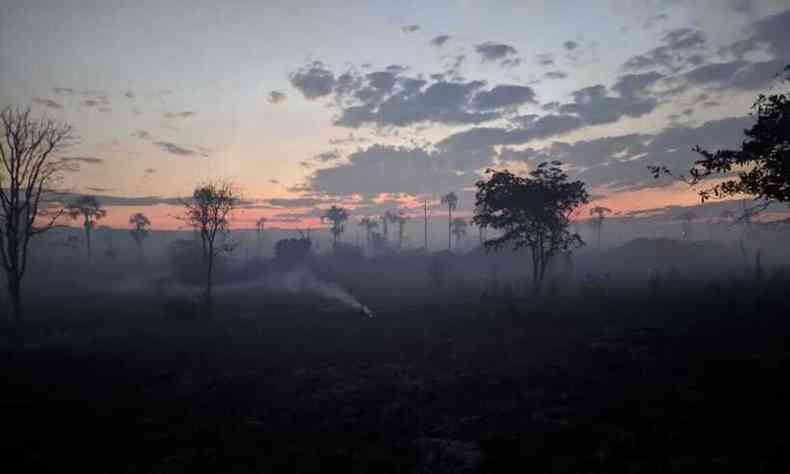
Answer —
459 237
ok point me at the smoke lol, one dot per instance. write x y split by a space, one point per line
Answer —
302 280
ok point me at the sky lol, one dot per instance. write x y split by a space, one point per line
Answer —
375 105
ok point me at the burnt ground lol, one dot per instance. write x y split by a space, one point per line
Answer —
606 382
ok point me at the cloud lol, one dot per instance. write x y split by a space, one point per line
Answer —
679 46
178 149
327 156
274 181
440 40
47 103
388 169
632 85
276 97
410 28
142 135
295 203
591 106
545 59
510 63
83 159
620 162
655 19
770 33
556 75
179 115
491 51
149 171
129 95
570 45
109 201
503 96
313 80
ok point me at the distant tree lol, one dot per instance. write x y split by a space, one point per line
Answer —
369 224
458 227
259 227
291 252
398 218
531 212
28 172
139 232
338 217
685 223
761 162
89 209
598 214
209 211
451 200
482 233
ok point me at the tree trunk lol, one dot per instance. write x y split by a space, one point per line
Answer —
14 291
209 275
426 226
449 229
88 239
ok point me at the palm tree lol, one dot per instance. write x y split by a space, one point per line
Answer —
458 227
400 219
369 224
259 225
599 214
338 216
139 232
452 202
90 210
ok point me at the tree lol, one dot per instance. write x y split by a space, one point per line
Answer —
761 165
400 219
369 224
28 172
140 231
90 210
209 211
452 202
259 226
338 216
458 229
531 212
599 214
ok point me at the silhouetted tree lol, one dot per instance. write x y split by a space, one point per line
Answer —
452 202
761 162
338 216
140 231
89 209
399 219
598 214
209 211
28 171
458 229
291 252
369 224
259 227
531 212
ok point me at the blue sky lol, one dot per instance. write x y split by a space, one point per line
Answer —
170 93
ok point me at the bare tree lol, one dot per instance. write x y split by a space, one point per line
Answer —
89 208
209 211
29 171
140 231
451 199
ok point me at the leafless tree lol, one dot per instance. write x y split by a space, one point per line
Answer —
209 211
90 210
28 174
259 226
